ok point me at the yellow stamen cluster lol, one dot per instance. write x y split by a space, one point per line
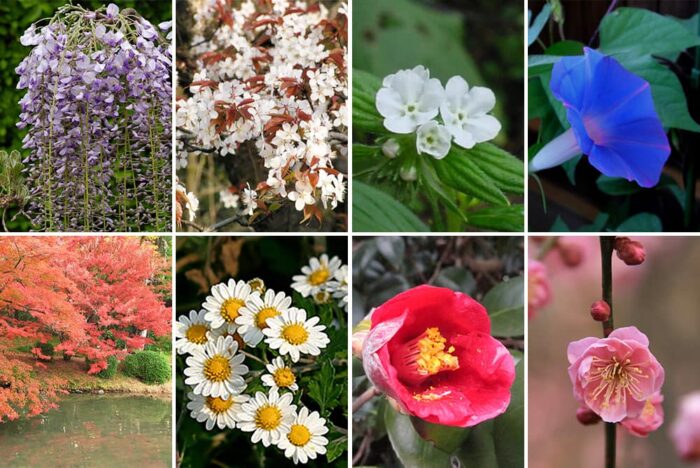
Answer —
217 368
219 405
268 417
615 379
299 435
263 315
320 276
197 334
295 334
432 354
284 377
229 309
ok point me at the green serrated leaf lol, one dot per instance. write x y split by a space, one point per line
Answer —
336 447
504 303
462 174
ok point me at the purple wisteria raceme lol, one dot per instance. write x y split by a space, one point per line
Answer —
612 117
98 114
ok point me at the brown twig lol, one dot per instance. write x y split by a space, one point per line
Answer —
366 396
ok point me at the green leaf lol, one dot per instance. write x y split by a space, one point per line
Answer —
411 449
506 171
617 185
376 211
392 249
365 158
559 225
504 303
460 172
364 113
446 438
536 27
323 389
499 218
457 279
642 222
336 447
434 187
633 36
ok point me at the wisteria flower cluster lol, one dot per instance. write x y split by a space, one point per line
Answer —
238 315
410 101
271 83
98 114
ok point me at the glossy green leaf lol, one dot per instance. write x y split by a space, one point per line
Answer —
457 279
412 450
499 218
392 249
446 438
504 303
376 211
642 222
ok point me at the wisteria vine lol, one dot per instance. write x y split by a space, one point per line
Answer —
98 114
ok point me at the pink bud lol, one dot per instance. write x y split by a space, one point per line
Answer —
586 416
571 254
629 251
600 311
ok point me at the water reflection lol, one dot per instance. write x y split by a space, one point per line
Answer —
92 430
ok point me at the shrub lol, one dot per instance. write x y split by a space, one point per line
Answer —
47 349
150 367
111 370
161 343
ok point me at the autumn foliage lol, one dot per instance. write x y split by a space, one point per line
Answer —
92 297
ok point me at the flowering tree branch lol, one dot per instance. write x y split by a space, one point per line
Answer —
607 244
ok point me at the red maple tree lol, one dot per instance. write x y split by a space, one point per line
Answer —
93 297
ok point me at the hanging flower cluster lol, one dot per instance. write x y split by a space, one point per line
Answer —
98 113
241 314
272 84
410 101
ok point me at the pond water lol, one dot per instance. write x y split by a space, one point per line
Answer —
92 431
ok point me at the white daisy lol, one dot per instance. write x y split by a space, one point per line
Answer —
305 437
339 286
292 334
192 332
315 275
280 376
217 370
222 412
223 306
268 417
255 314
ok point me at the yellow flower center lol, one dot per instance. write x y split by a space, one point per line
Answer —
197 334
295 334
263 315
430 353
229 309
217 368
268 417
319 276
219 405
615 380
284 377
299 435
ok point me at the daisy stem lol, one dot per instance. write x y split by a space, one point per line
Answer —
607 244
253 357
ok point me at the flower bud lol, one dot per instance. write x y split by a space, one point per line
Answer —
600 311
409 174
586 416
629 251
571 254
391 148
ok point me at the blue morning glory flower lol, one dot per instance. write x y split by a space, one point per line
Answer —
612 117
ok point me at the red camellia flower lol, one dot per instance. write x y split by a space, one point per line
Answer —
431 350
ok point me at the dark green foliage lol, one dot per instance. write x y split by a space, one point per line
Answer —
150 367
110 371
47 349
160 343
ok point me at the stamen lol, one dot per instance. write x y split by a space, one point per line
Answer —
428 354
616 379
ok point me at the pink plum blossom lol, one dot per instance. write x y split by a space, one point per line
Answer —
615 376
649 420
539 292
685 431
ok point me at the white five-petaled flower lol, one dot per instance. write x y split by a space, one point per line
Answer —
305 438
192 332
302 195
216 370
268 417
315 275
280 376
224 305
433 139
408 99
216 411
465 113
255 316
292 334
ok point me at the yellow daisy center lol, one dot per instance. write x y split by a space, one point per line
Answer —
295 334
320 276
197 334
217 368
264 314
284 377
299 435
229 309
430 353
219 405
268 417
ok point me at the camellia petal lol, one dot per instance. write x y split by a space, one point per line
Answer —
612 117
